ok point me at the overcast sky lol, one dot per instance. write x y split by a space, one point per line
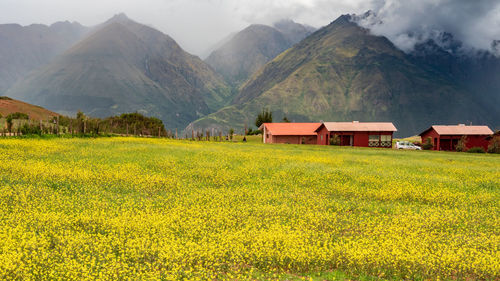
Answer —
198 24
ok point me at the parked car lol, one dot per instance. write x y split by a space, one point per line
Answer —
407 145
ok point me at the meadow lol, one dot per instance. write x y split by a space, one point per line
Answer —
157 209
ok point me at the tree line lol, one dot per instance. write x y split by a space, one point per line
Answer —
124 124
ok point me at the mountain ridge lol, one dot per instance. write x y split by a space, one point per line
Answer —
26 48
251 48
343 73
123 66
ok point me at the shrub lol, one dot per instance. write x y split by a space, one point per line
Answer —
461 146
494 146
252 132
476 150
19 115
335 140
27 129
428 144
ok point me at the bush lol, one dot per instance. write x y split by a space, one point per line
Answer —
494 146
461 146
19 115
335 140
27 129
476 150
253 132
428 144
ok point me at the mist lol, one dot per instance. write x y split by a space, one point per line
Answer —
199 24
475 23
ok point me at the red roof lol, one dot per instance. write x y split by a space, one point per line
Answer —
360 126
291 129
460 130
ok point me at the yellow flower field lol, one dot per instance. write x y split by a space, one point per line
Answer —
154 209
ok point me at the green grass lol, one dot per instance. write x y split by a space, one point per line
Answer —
250 139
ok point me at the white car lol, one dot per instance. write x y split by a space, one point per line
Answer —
407 145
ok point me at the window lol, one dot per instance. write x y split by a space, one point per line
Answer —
386 140
321 137
374 140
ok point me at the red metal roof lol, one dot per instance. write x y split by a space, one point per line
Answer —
291 129
460 130
360 126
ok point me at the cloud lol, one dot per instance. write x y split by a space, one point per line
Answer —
199 24
195 24
475 23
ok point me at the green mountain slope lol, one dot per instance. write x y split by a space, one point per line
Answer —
25 48
123 67
342 73
250 49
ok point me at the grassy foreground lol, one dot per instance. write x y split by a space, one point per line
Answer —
149 209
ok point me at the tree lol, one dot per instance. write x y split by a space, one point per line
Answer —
285 120
231 133
81 119
266 116
461 145
9 123
494 146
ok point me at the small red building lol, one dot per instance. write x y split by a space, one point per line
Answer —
293 133
446 137
364 134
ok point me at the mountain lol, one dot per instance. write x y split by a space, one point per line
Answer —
293 31
207 52
25 48
476 71
124 66
250 49
9 106
343 73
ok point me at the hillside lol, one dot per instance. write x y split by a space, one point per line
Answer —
477 71
9 106
122 67
342 73
250 49
26 48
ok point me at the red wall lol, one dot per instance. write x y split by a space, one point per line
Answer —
444 141
323 132
361 139
434 136
292 139
477 141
